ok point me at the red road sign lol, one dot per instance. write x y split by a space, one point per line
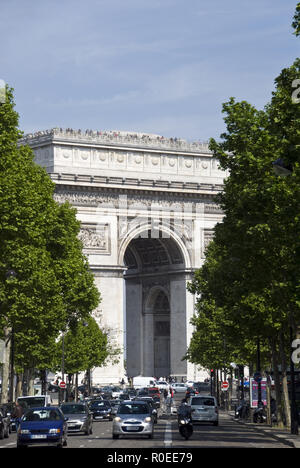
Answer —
62 384
225 385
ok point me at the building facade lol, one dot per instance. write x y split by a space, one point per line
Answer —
147 209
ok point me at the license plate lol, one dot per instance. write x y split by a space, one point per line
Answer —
98 417
39 436
133 428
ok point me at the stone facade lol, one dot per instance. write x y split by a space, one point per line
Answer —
147 210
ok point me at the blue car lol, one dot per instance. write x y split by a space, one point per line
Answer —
42 426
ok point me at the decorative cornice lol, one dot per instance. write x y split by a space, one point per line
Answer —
145 185
116 138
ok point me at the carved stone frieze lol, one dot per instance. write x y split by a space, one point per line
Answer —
95 238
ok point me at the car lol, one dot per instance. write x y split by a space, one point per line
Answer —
162 384
179 387
4 423
106 392
114 406
101 409
151 403
35 401
116 392
154 391
8 410
131 392
42 426
204 409
134 417
202 387
80 419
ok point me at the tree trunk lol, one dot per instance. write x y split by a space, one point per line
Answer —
285 391
5 368
19 385
30 382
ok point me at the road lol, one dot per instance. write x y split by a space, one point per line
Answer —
228 434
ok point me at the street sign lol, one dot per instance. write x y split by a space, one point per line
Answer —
224 386
62 384
254 392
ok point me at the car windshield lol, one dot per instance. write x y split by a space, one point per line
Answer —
73 409
133 409
32 402
42 415
100 404
202 401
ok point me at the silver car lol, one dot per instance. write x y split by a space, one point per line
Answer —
133 418
204 409
80 419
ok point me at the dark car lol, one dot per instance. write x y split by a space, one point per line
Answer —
101 409
42 426
106 392
114 406
154 393
4 423
202 387
132 393
151 403
80 419
9 409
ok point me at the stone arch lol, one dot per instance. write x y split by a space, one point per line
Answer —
165 230
155 290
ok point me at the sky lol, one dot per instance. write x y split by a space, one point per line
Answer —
153 66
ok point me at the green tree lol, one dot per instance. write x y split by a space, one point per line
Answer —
296 22
53 287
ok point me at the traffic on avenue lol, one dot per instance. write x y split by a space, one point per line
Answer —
135 425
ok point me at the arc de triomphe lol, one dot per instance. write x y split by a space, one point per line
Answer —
147 210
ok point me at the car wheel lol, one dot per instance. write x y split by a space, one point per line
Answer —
2 433
6 435
216 423
115 436
150 436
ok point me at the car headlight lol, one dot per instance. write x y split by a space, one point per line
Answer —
148 419
54 431
117 419
182 421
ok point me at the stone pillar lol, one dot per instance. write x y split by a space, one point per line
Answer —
134 327
148 341
190 307
178 337
111 287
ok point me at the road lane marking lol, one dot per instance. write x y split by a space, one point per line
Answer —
168 434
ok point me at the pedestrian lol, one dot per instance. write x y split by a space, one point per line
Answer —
17 414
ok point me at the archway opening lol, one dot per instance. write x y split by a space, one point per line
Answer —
155 306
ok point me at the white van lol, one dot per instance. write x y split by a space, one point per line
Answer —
35 401
140 381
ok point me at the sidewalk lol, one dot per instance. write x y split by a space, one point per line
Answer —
279 434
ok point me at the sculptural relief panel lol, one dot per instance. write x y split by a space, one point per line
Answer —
95 238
